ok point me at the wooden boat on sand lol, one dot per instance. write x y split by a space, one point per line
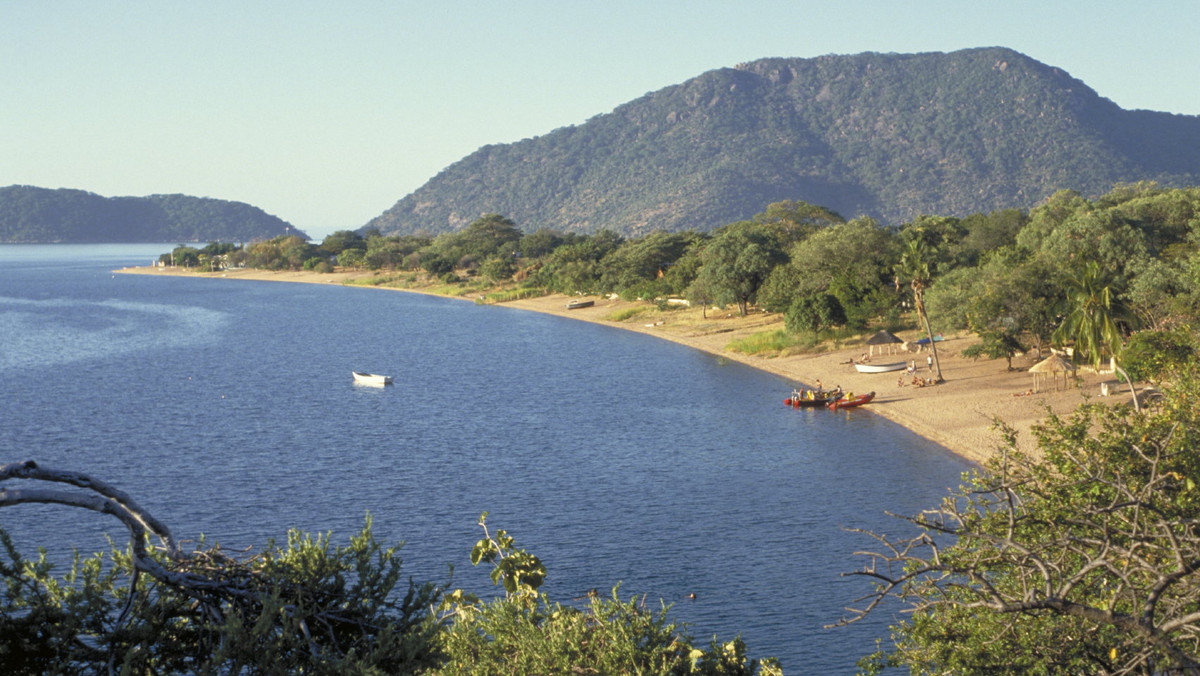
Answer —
577 304
863 367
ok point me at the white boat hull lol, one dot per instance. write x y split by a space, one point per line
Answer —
371 378
880 368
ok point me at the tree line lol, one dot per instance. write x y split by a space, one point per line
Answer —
1090 273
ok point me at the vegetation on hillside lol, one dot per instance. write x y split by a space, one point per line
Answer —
40 215
881 136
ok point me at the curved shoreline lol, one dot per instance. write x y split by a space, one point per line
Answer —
957 414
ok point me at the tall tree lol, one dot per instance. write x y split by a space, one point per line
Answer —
814 313
738 260
850 260
915 269
1092 324
644 259
795 220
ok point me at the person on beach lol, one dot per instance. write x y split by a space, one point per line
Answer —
929 361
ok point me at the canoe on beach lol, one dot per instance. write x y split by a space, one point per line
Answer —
879 368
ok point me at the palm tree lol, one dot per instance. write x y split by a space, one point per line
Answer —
914 269
1092 323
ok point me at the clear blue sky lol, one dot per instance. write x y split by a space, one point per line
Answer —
325 114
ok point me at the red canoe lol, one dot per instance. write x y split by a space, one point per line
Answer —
852 402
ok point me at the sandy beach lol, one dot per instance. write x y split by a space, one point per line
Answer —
958 413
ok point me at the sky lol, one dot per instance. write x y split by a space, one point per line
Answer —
325 114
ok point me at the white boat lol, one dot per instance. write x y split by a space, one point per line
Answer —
879 368
577 304
371 378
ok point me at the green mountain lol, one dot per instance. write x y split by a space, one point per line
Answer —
29 214
890 136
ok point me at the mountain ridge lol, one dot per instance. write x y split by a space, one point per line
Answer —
33 215
890 136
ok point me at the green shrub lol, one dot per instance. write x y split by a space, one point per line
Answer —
627 313
315 608
513 294
773 342
307 607
524 633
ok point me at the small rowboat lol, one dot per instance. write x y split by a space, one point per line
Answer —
371 378
879 368
578 304
852 402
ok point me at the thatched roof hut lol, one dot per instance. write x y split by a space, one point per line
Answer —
1053 365
884 338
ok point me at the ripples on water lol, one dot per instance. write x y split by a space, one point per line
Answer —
227 408
52 333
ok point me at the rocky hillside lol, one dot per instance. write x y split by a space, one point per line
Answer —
890 136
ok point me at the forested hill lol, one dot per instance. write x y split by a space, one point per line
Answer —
29 214
891 136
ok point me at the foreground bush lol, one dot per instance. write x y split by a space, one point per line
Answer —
303 608
306 607
1081 559
524 633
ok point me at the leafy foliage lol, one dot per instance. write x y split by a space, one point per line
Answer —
851 261
524 633
1158 355
996 344
305 607
1084 558
815 313
312 607
1095 312
737 261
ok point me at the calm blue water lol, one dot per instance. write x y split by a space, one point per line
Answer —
227 408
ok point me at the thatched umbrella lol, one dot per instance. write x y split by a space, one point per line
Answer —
884 338
1053 365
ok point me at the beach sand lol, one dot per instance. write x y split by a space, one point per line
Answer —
957 414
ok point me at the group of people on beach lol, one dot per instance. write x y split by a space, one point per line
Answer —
911 370
912 365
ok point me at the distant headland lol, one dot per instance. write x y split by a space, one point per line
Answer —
32 215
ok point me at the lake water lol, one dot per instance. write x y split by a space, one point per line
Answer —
227 408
